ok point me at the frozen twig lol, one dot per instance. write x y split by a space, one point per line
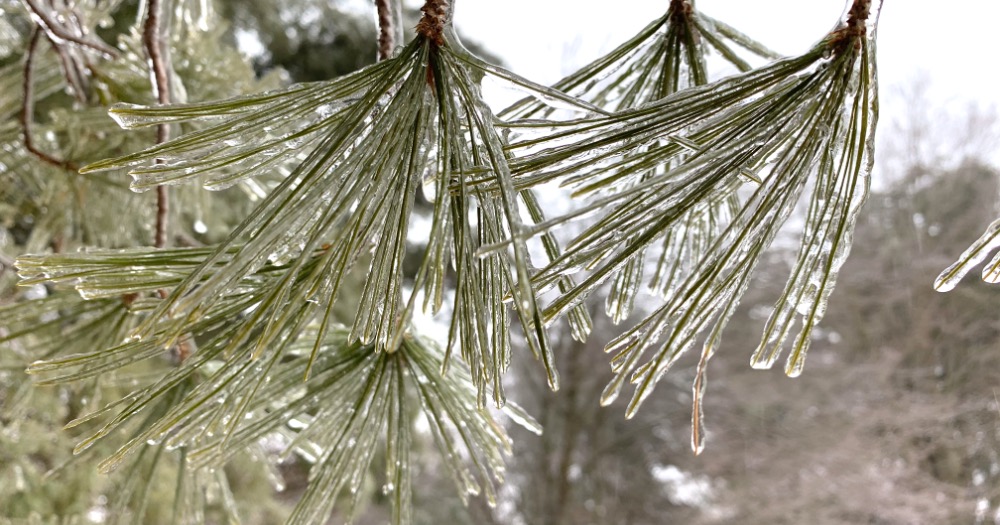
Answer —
159 66
152 41
856 28
858 17
386 28
436 14
28 105
56 31
162 209
681 8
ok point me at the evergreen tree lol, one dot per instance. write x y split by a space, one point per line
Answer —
190 331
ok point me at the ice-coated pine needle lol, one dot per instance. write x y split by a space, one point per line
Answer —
356 151
802 124
975 254
350 156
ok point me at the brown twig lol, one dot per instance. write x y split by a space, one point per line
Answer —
71 73
857 17
436 14
28 105
159 60
57 32
153 43
856 28
681 9
386 29
162 209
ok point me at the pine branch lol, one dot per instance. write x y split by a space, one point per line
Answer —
357 150
355 144
663 169
792 116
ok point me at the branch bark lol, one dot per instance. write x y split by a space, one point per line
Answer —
152 41
435 17
386 29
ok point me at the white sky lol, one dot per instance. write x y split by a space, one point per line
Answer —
952 44
544 39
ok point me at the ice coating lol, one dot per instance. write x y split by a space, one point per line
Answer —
970 258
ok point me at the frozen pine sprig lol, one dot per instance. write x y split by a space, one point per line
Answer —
842 159
357 150
354 152
667 56
377 393
800 125
221 401
359 401
65 324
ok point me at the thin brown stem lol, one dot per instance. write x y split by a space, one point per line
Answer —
162 207
74 77
386 29
856 28
858 17
152 41
436 15
28 105
57 32
159 63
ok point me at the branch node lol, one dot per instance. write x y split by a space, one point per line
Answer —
436 15
856 28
